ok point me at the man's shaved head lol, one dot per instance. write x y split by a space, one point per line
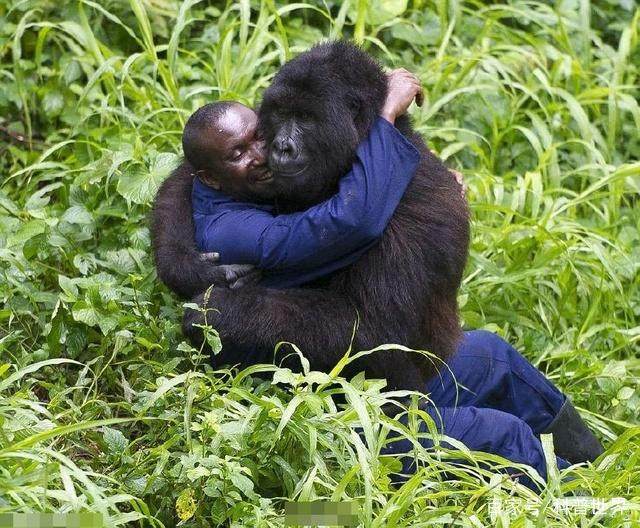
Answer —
201 128
222 142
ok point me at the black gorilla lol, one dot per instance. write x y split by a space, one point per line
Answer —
403 291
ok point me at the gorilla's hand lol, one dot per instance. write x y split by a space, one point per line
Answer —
233 276
239 275
210 257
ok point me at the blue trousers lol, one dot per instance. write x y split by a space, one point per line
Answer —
503 405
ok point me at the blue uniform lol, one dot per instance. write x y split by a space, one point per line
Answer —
297 248
506 401
501 405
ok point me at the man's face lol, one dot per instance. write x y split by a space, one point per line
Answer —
238 153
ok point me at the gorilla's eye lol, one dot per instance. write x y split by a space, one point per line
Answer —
305 116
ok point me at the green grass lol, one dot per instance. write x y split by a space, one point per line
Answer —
102 405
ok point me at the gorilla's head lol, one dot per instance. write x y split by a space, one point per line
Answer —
314 114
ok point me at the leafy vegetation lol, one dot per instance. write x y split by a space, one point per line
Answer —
103 407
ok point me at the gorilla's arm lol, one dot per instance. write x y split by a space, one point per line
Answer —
253 319
179 264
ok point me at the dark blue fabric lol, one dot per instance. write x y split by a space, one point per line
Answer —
297 248
494 374
505 403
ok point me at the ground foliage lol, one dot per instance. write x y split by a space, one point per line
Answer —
104 408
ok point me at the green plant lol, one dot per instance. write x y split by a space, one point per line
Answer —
104 408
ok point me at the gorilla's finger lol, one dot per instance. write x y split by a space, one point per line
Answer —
420 97
244 269
233 272
211 257
250 278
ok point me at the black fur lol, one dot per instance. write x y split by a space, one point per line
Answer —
179 263
403 290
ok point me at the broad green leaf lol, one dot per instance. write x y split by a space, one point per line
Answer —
26 231
4 384
186 505
115 440
53 103
77 214
381 11
140 184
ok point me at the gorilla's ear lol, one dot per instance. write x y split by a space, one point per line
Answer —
355 104
361 114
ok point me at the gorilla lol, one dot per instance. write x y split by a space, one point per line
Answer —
402 291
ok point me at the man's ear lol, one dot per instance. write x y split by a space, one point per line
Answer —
208 178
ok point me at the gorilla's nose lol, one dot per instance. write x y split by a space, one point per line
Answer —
283 148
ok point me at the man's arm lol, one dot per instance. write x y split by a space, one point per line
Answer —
349 221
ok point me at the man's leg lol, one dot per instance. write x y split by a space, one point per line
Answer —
493 374
482 429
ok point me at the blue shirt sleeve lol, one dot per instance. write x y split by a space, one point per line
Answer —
350 220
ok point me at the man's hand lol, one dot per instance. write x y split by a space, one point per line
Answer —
403 88
460 180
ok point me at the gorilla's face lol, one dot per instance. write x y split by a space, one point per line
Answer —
314 114
311 143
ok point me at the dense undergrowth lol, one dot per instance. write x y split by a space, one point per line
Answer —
104 408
